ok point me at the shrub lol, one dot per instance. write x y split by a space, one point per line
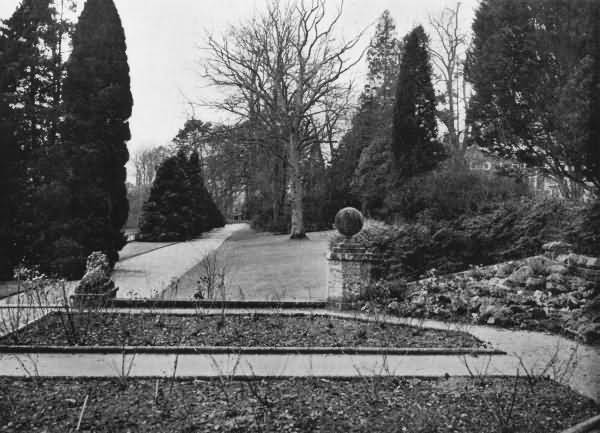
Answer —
451 191
585 230
508 231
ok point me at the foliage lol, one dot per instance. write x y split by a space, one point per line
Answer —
361 169
31 74
414 133
179 207
451 191
8 166
97 103
530 65
500 232
585 230
136 196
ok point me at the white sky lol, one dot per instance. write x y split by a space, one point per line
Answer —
163 37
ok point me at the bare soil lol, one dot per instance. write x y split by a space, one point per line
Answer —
291 405
110 329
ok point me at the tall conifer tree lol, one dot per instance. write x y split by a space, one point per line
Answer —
98 103
8 163
30 82
414 138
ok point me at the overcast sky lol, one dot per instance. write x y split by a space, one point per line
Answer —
163 37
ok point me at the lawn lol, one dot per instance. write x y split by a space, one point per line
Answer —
263 266
291 405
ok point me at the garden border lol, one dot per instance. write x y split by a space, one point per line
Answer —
588 426
248 350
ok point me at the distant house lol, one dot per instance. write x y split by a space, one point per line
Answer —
540 183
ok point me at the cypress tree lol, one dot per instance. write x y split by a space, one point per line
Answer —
98 103
179 207
8 163
414 136
167 214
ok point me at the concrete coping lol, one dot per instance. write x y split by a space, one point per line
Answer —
355 255
250 350
589 426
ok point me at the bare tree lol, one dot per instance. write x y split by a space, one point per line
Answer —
146 163
284 72
448 58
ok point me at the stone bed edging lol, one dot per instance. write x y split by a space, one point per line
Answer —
589 426
196 304
248 350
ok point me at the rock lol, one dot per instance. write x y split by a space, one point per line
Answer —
537 313
589 333
553 249
502 317
538 264
534 283
577 283
495 314
520 276
394 307
444 299
557 269
556 288
556 278
503 270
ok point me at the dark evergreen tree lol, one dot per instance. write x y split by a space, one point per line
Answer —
98 103
205 213
361 168
179 207
592 149
9 156
414 136
531 66
168 213
198 195
30 85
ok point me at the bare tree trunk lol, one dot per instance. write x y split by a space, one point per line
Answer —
296 190
451 112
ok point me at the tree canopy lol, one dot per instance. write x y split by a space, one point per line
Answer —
414 133
531 66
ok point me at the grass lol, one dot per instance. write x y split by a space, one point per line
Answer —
262 266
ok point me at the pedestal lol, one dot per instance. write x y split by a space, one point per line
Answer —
349 273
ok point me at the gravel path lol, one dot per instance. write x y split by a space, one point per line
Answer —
148 275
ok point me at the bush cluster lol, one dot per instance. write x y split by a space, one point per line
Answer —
504 231
452 191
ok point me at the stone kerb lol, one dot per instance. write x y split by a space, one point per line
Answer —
350 265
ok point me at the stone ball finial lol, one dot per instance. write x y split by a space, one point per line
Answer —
349 221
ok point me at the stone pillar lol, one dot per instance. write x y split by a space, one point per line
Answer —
349 264
349 273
